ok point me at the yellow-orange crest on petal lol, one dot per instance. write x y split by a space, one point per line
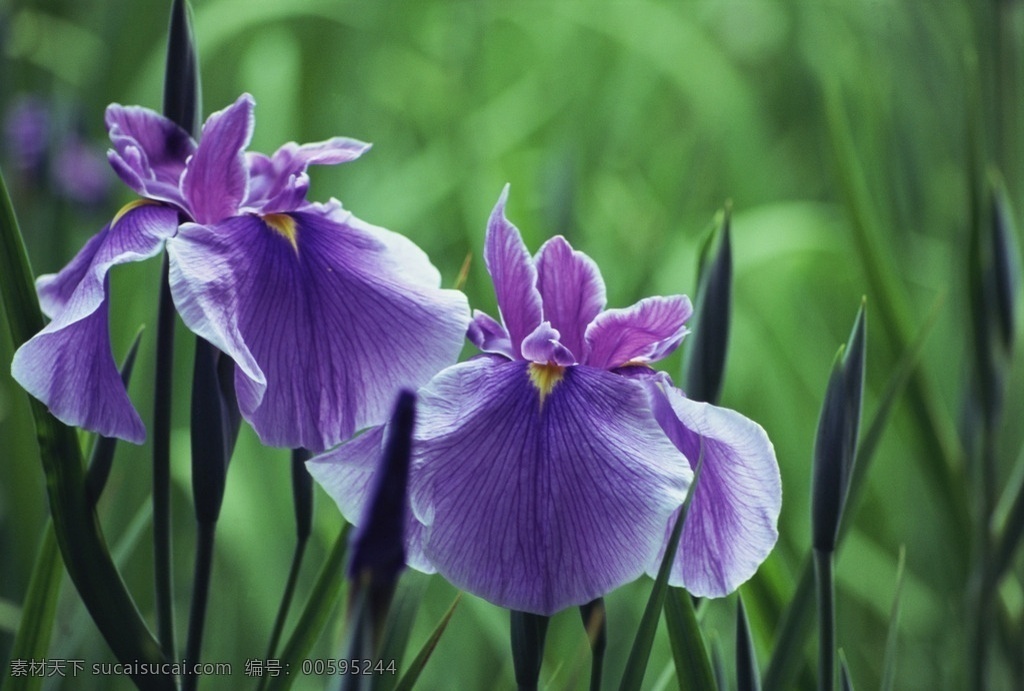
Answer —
131 206
284 225
545 377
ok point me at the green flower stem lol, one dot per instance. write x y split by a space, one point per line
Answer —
825 588
302 493
75 525
163 567
205 532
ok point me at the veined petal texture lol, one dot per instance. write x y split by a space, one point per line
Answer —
644 332
149 151
69 365
572 291
731 525
216 179
327 319
538 504
514 275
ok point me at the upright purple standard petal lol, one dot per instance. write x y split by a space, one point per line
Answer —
216 180
326 320
149 151
280 183
572 289
538 505
644 332
68 365
730 527
514 275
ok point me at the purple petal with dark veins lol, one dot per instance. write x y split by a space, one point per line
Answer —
644 332
69 365
572 290
346 474
731 525
514 276
326 319
541 506
489 335
149 151
216 178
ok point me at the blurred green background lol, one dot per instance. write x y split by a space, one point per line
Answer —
624 126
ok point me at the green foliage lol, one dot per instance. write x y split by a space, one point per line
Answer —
837 129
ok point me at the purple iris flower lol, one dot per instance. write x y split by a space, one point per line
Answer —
325 316
549 470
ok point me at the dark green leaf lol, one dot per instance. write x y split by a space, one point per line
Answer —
528 633
315 615
693 668
636 665
748 676
75 525
892 638
709 342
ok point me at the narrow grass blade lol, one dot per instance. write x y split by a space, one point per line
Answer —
595 623
410 676
10 613
408 598
318 609
846 683
694 671
32 641
748 676
636 665
892 638
302 499
1009 516
77 530
824 581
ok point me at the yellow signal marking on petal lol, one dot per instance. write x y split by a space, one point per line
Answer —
285 226
545 377
131 206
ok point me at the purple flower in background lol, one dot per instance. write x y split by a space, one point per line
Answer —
27 133
325 316
549 470
79 174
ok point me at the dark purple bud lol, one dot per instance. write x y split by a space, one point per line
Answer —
707 345
181 77
214 428
835 445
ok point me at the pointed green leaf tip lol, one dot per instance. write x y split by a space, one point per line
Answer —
835 446
705 354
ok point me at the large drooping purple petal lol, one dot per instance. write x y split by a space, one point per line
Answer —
326 319
731 525
149 151
540 504
572 289
346 474
280 183
514 275
644 332
69 365
216 179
